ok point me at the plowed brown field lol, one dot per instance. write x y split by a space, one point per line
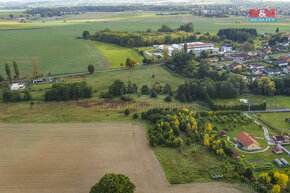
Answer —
71 157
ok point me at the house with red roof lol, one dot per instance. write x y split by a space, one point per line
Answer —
222 133
247 141
277 150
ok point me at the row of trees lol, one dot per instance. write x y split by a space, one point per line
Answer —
191 90
119 88
238 34
35 70
165 28
14 96
165 35
9 73
71 91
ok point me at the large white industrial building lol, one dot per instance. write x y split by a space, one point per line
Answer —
195 47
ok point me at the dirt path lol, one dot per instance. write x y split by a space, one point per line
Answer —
70 158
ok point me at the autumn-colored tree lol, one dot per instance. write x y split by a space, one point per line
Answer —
266 86
208 127
133 63
276 189
165 52
206 139
282 179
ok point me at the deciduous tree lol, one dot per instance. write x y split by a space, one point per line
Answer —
113 183
16 69
8 72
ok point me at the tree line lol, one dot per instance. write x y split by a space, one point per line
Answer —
15 96
17 75
191 90
68 91
164 35
121 89
270 87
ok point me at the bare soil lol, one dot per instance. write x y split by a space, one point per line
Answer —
70 158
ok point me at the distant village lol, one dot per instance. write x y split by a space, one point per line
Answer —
252 64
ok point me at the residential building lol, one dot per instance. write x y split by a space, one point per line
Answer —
17 86
279 139
287 70
256 71
236 65
282 63
227 48
267 51
272 71
247 141
277 150
257 66
222 133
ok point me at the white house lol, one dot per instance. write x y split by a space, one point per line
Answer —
17 86
282 63
227 48
287 70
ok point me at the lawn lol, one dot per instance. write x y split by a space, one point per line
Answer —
139 76
116 54
192 163
277 120
272 102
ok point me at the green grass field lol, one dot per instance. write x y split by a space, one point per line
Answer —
139 76
272 102
116 54
192 163
277 120
54 44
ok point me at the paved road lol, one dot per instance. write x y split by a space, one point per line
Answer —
270 110
86 73
269 140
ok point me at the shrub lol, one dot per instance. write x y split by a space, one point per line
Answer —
153 94
91 69
106 95
127 112
14 96
135 116
126 97
168 99
145 90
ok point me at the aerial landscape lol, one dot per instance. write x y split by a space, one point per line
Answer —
144 96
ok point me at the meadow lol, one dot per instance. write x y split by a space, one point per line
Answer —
277 120
272 101
54 44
